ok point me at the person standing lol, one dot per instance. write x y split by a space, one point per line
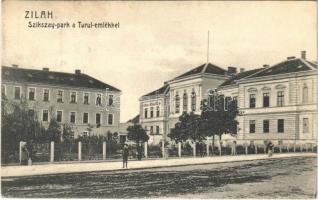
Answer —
270 148
125 155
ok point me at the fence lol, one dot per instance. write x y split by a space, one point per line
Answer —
101 150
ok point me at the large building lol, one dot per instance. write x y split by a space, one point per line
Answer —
278 102
76 99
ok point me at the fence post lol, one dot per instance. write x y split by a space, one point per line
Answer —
52 152
146 149
104 150
220 148
312 147
20 152
208 149
280 148
256 149
306 147
179 149
288 147
79 150
194 149
301 147
163 149
294 147
246 149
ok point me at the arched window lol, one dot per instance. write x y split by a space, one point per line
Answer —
185 102
193 100
177 99
305 94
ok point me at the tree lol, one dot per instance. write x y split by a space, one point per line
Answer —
219 116
188 127
139 135
18 123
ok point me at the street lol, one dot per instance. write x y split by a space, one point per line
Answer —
275 178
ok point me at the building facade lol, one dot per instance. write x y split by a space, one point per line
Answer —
277 103
75 99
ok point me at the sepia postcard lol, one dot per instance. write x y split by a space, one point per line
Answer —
159 99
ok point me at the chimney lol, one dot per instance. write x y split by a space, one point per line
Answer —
303 55
46 69
77 71
231 70
242 70
291 57
265 66
15 65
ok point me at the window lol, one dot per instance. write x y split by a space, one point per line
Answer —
158 111
45 115
226 103
98 100
252 100
86 98
305 94
31 94
157 129
185 102
151 112
177 98
110 119
85 118
235 100
280 126
3 90
211 100
59 115
46 95
73 97
280 98
17 92
252 126
60 96
73 117
146 113
151 129
305 125
110 99
193 100
266 126
266 100
97 119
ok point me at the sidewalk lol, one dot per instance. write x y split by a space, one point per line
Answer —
16 171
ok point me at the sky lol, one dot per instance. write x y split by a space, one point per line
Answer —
157 41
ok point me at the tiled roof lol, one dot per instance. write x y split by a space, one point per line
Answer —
158 91
287 66
205 68
134 120
239 76
53 78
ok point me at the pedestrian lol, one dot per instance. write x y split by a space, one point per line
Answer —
270 148
125 155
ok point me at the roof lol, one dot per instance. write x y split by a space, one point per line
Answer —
158 91
206 68
287 66
134 120
239 76
53 78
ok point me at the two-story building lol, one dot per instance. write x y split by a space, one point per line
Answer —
76 99
278 102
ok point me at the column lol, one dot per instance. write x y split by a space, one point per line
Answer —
52 152
104 150
179 149
280 148
194 149
20 152
79 150
208 149
294 147
163 149
256 148
246 149
146 149
306 147
288 147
